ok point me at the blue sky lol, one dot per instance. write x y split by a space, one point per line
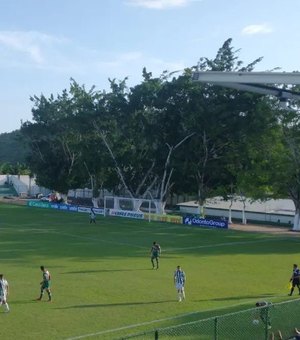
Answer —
44 43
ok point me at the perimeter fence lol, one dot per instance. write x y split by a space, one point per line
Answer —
251 324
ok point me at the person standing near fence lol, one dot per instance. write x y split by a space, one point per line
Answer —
179 281
264 312
4 288
295 279
296 336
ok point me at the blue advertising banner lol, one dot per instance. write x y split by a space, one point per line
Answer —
205 222
64 207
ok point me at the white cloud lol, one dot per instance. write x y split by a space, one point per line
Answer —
64 58
29 43
257 29
158 4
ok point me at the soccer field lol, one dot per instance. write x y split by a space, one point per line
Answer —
103 284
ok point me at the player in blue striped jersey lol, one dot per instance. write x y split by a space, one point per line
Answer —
179 281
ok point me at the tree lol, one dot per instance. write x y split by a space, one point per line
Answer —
142 136
12 148
225 120
284 155
56 136
164 134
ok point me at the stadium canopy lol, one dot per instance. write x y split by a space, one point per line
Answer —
257 82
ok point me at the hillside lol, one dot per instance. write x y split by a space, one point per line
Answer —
12 149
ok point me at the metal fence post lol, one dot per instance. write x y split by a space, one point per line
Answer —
216 328
267 323
156 335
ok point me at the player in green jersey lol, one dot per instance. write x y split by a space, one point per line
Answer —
45 284
155 252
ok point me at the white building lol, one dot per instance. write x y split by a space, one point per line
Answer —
272 211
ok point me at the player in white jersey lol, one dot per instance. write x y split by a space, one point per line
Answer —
4 289
179 281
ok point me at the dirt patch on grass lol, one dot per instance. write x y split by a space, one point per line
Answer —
264 229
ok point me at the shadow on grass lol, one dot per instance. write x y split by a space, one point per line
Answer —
117 304
105 271
23 302
233 298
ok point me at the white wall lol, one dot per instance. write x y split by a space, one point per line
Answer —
3 179
25 185
236 214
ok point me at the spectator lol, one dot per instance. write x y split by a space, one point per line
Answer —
264 312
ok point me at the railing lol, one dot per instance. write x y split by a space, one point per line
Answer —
256 323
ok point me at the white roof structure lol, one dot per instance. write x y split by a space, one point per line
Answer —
280 206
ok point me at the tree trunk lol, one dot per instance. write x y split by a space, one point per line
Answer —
229 213
29 186
201 204
295 197
95 202
296 225
201 210
244 220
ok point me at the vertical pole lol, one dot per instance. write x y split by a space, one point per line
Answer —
104 207
216 329
149 218
267 323
156 335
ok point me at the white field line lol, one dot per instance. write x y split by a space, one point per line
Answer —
89 335
47 231
166 250
228 244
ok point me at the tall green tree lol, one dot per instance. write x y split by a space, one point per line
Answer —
55 138
143 133
284 160
225 121
165 134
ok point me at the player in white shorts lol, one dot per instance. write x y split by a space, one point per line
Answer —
179 281
4 289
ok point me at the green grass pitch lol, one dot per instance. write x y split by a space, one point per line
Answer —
103 284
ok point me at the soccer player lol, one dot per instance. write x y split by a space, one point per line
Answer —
92 216
295 279
155 254
4 289
179 281
45 284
